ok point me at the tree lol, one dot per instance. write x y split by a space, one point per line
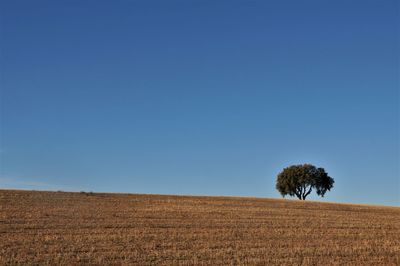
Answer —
300 180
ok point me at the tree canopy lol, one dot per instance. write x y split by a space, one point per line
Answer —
300 180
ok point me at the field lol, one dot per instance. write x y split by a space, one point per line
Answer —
60 228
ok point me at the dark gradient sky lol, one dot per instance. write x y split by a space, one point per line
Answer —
200 97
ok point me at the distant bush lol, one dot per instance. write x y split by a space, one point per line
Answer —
90 193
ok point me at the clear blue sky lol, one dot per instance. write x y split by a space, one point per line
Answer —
200 97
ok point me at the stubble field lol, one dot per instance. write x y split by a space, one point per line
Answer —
59 228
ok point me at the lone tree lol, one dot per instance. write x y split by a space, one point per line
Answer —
300 180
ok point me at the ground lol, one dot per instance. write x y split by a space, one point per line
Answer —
61 228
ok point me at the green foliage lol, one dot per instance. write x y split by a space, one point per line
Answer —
300 180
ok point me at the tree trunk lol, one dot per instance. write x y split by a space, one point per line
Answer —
306 194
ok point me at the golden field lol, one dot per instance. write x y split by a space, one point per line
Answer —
63 228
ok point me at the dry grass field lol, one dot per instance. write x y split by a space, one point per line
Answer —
59 228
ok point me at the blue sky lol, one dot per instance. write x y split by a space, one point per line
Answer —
200 97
